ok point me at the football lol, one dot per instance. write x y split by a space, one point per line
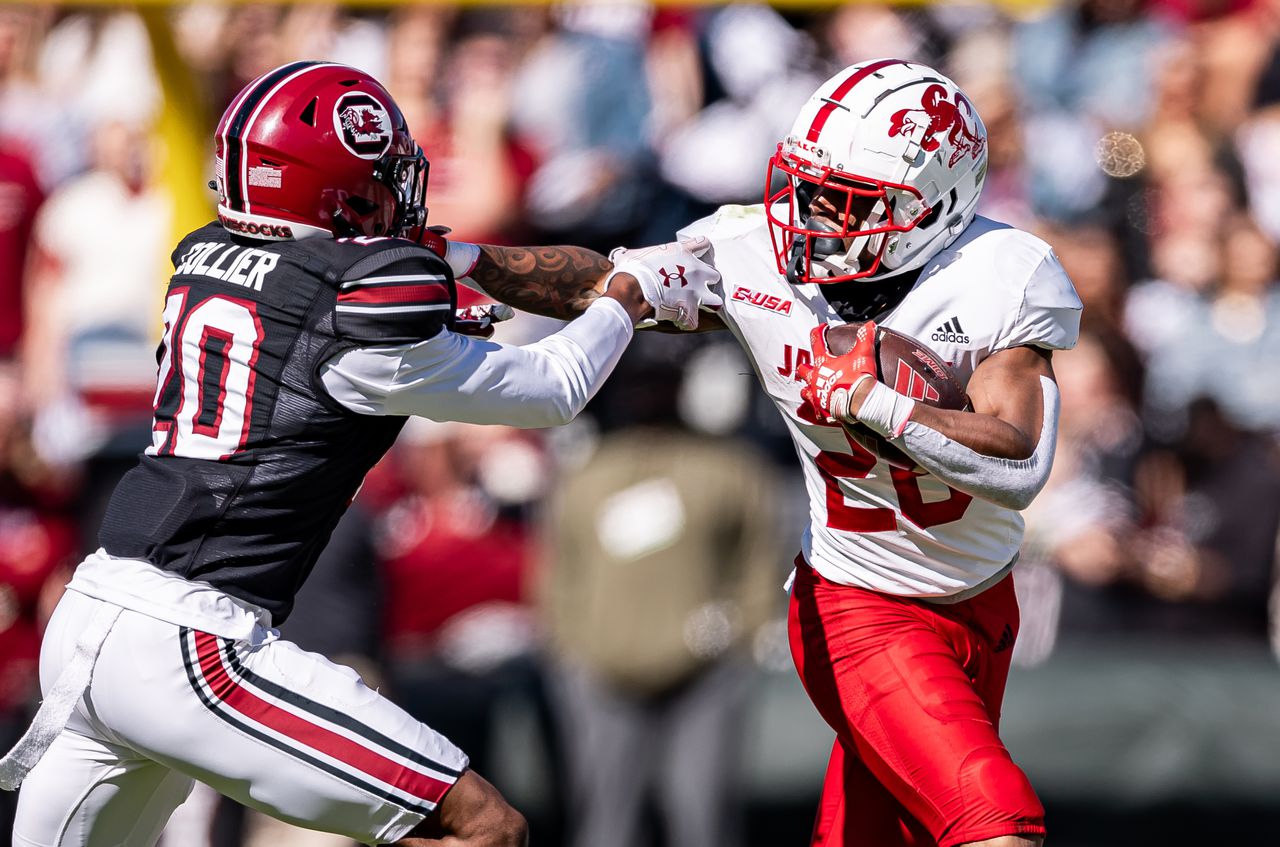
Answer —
908 367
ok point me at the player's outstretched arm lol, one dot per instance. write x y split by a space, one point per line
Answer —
556 282
560 281
452 377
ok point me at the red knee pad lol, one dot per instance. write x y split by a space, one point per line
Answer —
998 799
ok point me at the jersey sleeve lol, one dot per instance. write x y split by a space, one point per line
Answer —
725 223
396 295
457 378
1049 313
722 228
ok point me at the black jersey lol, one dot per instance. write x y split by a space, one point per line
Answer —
251 462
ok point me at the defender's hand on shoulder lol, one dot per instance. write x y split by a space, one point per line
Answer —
674 279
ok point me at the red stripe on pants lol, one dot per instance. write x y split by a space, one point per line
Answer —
226 689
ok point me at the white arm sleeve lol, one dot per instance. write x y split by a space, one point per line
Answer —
458 378
1010 483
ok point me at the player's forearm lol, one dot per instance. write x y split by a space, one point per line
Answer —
557 282
456 378
985 434
987 457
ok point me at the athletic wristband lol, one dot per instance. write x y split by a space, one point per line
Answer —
462 257
886 411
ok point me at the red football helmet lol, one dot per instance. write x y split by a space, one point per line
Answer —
316 148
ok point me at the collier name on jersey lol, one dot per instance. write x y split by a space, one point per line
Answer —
247 266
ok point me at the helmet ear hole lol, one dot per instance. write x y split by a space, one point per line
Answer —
308 115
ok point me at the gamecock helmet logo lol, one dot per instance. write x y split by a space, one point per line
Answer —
363 124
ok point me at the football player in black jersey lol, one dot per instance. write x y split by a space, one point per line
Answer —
299 331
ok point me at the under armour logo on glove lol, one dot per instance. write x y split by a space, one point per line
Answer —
668 278
675 297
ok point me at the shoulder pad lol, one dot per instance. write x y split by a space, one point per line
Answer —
395 293
1049 316
350 255
726 222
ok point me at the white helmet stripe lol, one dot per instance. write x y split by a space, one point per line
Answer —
243 175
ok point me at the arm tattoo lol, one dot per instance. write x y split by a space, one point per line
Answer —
557 282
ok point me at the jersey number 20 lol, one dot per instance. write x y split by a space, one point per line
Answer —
842 516
204 395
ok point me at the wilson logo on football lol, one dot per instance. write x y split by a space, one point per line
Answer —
768 302
670 280
937 115
363 124
913 385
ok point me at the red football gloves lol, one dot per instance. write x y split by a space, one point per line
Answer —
830 381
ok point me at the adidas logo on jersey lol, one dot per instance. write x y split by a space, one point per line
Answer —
950 332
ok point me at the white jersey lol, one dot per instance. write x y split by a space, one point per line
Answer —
872 525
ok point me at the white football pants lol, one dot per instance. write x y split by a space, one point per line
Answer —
278 729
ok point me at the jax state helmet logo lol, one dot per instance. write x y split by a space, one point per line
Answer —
938 115
363 124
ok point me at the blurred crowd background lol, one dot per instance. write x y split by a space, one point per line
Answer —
599 608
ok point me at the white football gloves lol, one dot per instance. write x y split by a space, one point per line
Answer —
673 278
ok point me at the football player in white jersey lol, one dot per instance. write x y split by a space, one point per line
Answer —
903 615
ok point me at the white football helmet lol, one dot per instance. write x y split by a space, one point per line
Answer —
897 155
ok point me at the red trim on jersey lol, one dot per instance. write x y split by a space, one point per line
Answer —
820 119
230 692
259 337
399 294
167 369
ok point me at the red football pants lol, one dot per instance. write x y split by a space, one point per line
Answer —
913 691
